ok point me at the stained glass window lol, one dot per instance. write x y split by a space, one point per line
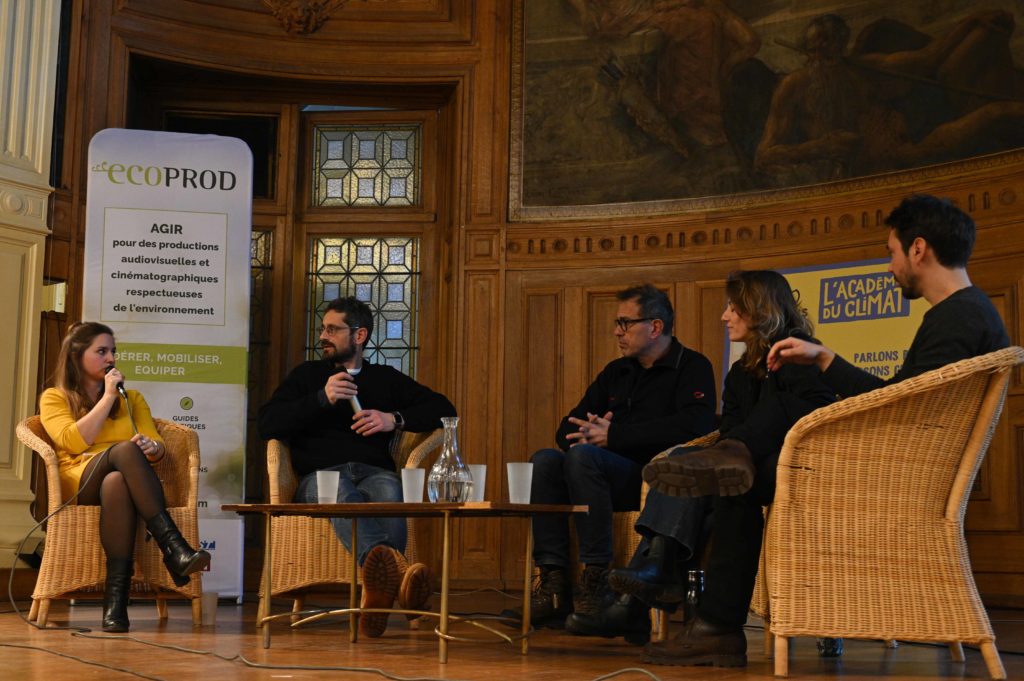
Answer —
384 273
366 166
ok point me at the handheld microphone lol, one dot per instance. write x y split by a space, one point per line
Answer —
354 400
120 384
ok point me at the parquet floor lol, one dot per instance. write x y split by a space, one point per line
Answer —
406 653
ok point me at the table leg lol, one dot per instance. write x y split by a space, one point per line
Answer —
353 618
265 623
442 650
524 643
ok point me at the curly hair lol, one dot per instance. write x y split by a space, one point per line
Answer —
772 309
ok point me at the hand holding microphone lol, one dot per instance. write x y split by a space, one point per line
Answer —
113 376
340 386
116 376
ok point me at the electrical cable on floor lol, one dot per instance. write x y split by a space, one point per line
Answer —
92 663
362 670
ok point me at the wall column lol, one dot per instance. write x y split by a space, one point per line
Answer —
29 32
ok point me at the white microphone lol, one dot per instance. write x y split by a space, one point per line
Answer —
354 400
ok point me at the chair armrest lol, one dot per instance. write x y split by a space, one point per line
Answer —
179 469
993 362
423 449
281 479
31 434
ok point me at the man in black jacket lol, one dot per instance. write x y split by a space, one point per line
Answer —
340 414
930 242
656 395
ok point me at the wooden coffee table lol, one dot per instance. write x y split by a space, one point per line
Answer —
447 511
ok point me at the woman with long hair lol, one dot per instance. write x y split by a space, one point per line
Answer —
761 309
106 443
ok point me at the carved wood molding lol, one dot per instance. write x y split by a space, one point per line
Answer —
302 17
748 232
23 207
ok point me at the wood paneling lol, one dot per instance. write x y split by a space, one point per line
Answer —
520 311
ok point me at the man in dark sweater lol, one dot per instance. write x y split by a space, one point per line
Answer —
656 395
340 414
930 242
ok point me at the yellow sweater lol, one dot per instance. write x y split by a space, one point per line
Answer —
73 452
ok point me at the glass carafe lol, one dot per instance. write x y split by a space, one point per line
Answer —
449 478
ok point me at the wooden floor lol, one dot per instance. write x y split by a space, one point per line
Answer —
406 653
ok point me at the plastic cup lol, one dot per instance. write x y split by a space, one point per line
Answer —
479 472
412 485
327 487
209 606
520 477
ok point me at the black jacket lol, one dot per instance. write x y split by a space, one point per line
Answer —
671 402
320 434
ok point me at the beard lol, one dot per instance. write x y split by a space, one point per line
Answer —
910 288
338 355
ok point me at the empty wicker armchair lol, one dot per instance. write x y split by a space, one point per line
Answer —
73 563
305 551
865 537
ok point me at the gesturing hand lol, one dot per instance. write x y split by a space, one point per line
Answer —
796 351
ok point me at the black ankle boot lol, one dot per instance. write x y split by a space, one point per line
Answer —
626 616
654 578
180 559
550 601
115 594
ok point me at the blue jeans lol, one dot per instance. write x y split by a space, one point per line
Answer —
360 482
587 475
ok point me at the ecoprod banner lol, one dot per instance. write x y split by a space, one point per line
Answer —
167 267
858 311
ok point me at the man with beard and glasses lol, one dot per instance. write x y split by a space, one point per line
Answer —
313 411
930 242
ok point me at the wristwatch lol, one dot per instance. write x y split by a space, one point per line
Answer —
399 421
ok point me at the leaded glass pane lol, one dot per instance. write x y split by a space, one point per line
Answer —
383 272
366 166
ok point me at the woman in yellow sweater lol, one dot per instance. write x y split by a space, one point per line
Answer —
106 442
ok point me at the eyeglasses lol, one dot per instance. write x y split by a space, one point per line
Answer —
332 330
623 323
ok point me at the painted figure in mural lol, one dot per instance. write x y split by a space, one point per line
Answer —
340 413
703 41
845 115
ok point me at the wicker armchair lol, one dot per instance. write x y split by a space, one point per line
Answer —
865 537
73 563
305 552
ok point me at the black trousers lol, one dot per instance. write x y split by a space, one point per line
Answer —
736 548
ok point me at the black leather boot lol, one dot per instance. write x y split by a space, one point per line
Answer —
626 616
653 578
550 601
595 594
180 559
115 594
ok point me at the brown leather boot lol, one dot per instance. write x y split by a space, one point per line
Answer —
700 643
725 469
381 578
